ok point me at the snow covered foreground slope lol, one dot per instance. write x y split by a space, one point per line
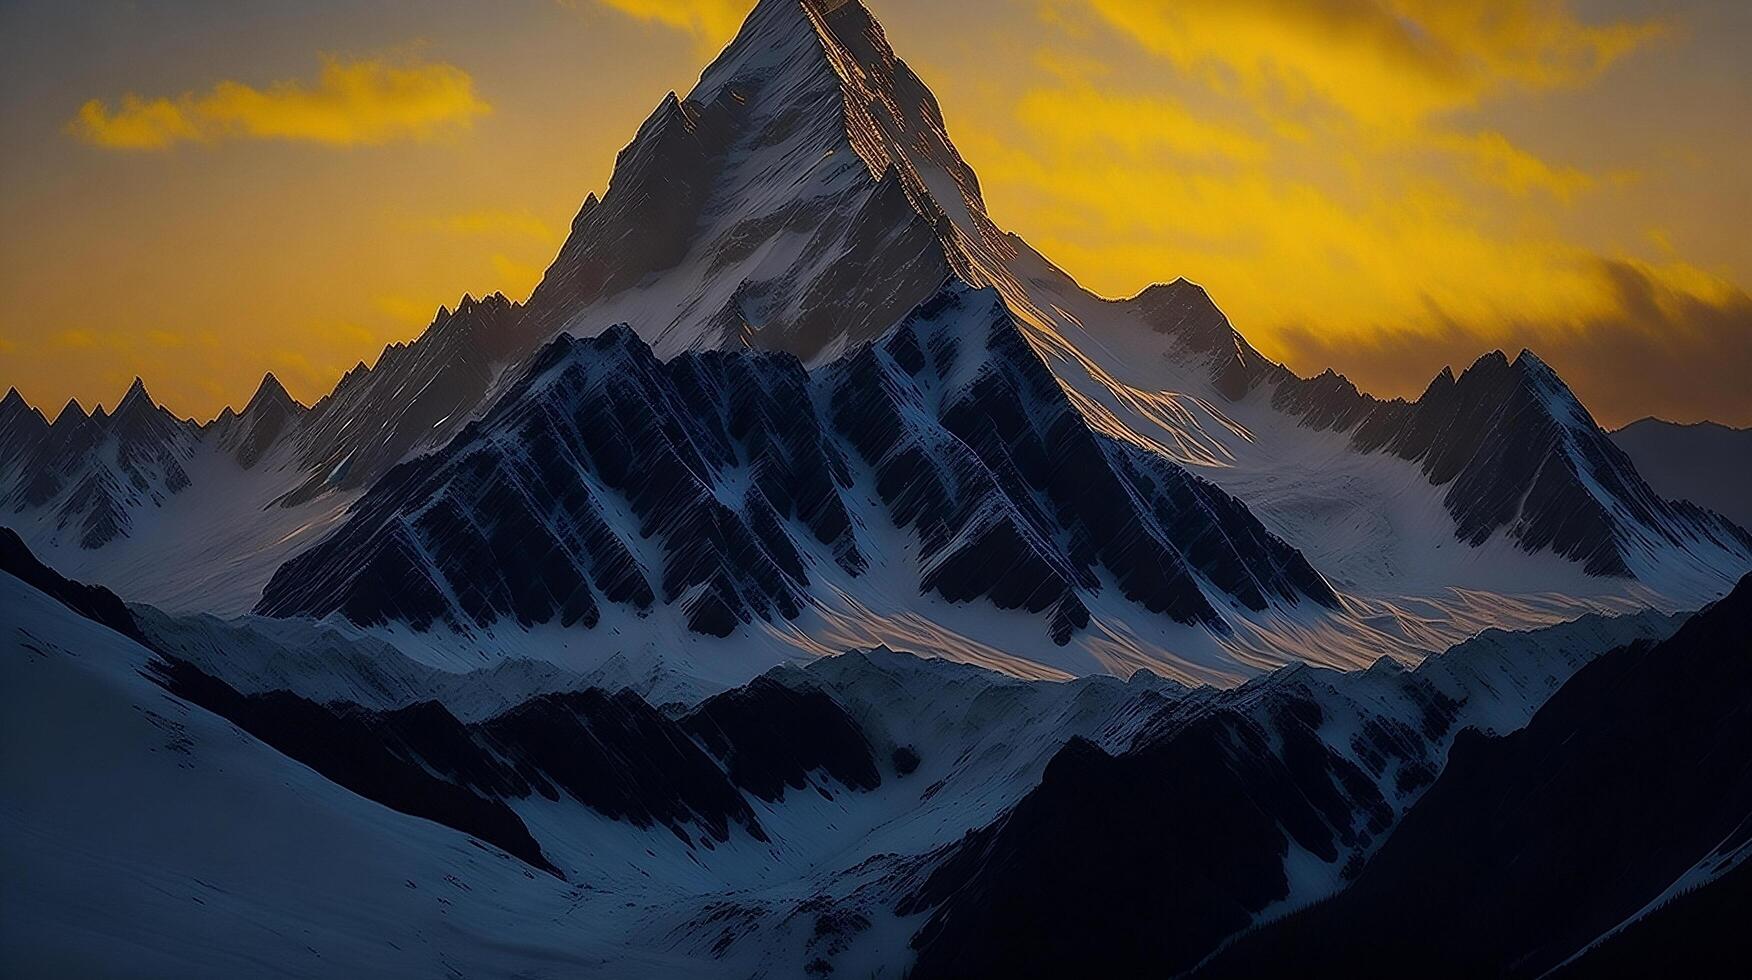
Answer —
144 836
142 832
806 197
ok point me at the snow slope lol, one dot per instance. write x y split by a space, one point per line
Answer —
142 836
216 854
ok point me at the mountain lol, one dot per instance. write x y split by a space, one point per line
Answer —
250 435
1377 492
831 817
85 478
198 516
1707 463
1628 790
739 487
164 815
563 638
22 427
1519 454
1228 812
805 199
415 394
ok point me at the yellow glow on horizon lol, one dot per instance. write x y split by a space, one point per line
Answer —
1380 186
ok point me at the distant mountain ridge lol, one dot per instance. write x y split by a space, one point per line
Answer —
1707 463
92 472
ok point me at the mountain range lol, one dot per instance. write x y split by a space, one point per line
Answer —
569 624
938 404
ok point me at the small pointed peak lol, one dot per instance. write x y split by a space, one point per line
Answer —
136 392
99 413
269 392
1386 666
468 302
585 210
1493 359
622 335
1531 363
1442 383
71 412
1180 285
13 399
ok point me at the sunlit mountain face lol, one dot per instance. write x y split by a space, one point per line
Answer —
801 572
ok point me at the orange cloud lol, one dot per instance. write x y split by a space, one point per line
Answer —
1084 114
1496 161
352 102
1382 62
711 22
1685 338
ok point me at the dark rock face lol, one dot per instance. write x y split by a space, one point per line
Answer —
1518 455
416 392
612 753
662 180
376 755
1118 866
249 435
771 737
706 481
1701 933
1016 499
94 602
1228 809
1515 449
1531 846
536 512
22 429
622 758
1184 311
94 471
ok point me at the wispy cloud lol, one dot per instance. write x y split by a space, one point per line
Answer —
1494 160
350 103
1082 115
1381 61
709 22
1685 337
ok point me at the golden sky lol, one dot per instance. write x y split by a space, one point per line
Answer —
199 192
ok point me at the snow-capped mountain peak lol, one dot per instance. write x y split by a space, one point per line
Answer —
805 197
